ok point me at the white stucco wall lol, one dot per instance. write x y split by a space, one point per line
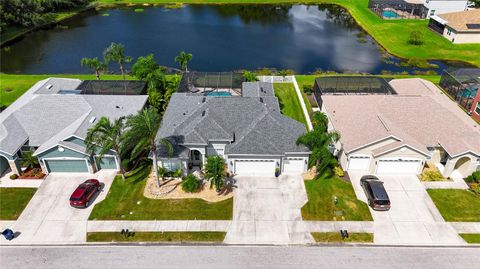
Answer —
441 7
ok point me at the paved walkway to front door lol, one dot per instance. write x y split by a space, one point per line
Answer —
267 211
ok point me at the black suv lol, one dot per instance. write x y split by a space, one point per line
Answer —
376 194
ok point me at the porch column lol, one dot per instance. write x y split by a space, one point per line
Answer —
15 166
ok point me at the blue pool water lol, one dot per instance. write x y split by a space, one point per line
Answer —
219 94
389 14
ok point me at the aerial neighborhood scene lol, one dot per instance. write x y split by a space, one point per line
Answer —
238 134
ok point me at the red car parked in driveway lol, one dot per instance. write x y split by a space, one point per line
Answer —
84 192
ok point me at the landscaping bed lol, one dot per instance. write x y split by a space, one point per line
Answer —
456 205
125 201
335 237
13 201
32 173
289 103
157 237
321 206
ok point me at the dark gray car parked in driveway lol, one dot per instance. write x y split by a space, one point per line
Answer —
376 194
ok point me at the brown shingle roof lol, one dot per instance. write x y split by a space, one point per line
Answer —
459 20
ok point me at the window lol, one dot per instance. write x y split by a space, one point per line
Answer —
477 108
171 165
449 31
432 12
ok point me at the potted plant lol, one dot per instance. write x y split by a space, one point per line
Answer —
277 172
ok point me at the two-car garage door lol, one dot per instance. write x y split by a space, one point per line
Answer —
398 166
79 166
255 167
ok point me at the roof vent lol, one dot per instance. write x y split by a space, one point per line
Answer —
261 89
261 100
203 113
92 119
204 99
49 86
118 107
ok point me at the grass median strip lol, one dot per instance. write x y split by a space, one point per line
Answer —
125 201
456 205
156 237
335 237
13 201
471 238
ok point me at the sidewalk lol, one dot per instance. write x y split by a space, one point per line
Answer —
6 182
159 225
466 227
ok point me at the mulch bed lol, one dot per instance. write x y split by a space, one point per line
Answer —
32 173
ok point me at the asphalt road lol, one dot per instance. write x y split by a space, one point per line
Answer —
141 256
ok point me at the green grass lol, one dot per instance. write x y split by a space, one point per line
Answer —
127 196
157 237
457 205
289 103
471 238
393 35
335 237
13 201
320 204
13 86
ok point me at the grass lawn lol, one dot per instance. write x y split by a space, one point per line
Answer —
13 86
13 201
157 237
320 204
289 103
457 205
471 238
127 196
393 35
335 237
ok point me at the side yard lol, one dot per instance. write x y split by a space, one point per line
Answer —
321 201
125 201
13 201
457 205
289 103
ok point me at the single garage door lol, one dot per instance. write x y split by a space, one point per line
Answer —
398 166
359 162
106 163
66 166
293 165
255 167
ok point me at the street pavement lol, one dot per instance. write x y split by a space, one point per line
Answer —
211 257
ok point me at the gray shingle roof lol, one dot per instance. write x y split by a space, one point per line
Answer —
254 127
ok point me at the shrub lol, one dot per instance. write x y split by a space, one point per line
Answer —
432 175
307 89
416 38
338 171
474 177
177 173
249 76
13 176
475 187
191 184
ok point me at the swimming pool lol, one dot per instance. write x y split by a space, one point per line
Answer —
389 14
219 94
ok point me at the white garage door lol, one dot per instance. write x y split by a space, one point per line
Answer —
398 166
255 167
359 162
293 165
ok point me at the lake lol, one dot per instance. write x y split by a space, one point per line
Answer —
220 37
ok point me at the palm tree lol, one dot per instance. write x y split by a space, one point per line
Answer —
183 59
106 136
28 160
318 141
94 64
116 53
142 132
215 172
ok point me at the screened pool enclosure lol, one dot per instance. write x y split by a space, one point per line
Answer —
398 9
462 85
212 83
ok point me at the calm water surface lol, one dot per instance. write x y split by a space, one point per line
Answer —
221 38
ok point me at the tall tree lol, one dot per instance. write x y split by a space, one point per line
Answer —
94 64
105 136
144 66
116 53
215 172
29 161
142 132
183 59
318 141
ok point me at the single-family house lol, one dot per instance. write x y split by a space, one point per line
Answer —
458 27
396 127
244 126
52 119
437 7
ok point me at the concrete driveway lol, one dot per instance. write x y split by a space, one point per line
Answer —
267 211
413 217
49 218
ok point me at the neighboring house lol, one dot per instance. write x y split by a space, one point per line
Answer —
396 127
437 7
459 27
463 85
52 118
247 130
